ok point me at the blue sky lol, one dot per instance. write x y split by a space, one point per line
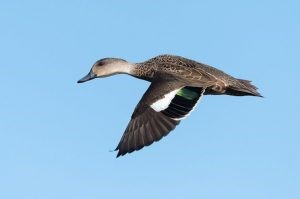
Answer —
56 135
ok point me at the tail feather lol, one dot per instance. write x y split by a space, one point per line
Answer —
243 87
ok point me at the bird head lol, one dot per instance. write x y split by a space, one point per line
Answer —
106 67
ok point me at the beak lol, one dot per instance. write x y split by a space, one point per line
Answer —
88 77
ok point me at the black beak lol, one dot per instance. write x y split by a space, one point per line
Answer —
88 77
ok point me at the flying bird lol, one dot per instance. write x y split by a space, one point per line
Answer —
177 84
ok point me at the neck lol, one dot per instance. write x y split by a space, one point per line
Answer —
138 70
123 68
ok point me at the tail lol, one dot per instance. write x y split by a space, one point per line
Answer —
242 88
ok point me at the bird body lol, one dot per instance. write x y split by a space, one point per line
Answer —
177 84
193 73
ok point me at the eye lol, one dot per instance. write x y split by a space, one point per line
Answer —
100 63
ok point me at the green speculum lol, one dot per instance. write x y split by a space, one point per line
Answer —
187 94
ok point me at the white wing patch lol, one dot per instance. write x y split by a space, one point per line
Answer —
164 102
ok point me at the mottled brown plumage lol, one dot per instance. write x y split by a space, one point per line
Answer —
195 73
177 85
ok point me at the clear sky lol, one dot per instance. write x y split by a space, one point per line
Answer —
56 135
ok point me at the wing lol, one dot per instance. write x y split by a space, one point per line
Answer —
161 108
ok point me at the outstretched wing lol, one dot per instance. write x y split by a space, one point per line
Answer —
161 108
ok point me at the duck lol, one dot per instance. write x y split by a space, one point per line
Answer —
177 85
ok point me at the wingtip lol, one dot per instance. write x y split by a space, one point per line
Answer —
120 154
